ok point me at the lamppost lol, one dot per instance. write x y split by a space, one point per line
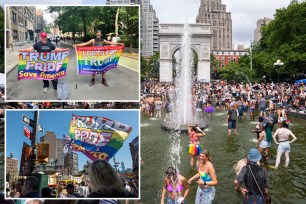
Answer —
278 63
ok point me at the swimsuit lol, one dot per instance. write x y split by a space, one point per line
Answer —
179 188
204 176
194 149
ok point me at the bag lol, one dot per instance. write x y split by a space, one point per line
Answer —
62 91
266 195
233 115
251 199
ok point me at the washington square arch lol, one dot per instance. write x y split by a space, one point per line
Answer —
170 36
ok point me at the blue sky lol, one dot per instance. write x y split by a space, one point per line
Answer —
59 121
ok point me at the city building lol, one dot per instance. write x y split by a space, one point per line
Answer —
20 24
149 26
12 167
50 138
214 13
227 56
40 25
260 23
71 160
59 151
149 29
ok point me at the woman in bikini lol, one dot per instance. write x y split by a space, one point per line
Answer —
176 186
207 179
194 147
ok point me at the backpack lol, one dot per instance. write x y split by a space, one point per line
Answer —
233 115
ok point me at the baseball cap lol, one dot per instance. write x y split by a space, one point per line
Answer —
43 34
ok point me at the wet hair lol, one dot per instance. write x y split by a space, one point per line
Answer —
260 119
207 154
171 171
98 31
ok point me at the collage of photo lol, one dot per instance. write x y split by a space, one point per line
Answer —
152 102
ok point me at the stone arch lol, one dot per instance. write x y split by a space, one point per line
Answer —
170 42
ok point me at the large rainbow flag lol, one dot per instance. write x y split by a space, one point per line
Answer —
97 59
97 137
42 65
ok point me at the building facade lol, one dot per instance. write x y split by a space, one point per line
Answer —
40 22
214 13
72 162
149 28
260 23
12 167
20 23
227 56
50 138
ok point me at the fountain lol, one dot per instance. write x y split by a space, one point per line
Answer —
181 99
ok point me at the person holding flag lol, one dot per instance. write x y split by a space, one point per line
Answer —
97 41
44 46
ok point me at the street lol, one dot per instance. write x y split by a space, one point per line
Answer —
123 82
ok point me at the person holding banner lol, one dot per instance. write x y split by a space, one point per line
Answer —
98 41
44 46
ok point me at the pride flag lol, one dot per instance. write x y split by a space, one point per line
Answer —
97 59
42 65
97 137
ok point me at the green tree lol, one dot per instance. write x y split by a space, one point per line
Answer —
130 20
284 38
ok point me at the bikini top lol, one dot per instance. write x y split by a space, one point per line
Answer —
204 176
193 138
179 188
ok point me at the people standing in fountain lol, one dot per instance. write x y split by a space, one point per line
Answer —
283 142
208 179
158 106
199 106
209 109
194 147
231 119
176 185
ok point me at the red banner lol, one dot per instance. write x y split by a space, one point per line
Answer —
25 162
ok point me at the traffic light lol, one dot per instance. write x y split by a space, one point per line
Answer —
42 153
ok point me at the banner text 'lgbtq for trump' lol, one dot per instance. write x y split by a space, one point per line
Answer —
100 59
42 65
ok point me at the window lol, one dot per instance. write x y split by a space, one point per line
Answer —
14 17
222 59
228 59
15 34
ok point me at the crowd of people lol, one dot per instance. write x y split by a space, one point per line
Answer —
218 94
103 182
70 105
241 102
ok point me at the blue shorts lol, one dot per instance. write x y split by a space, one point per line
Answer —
263 109
245 108
283 147
231 124
252 110
264 144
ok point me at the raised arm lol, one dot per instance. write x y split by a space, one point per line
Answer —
30 49
112 43
61 49
90 42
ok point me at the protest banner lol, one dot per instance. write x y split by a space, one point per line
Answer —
97 137
42 65
97 59
25 160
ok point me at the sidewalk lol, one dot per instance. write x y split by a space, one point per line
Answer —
12 57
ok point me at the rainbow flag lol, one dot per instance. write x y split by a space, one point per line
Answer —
97 59
42 65
97 137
